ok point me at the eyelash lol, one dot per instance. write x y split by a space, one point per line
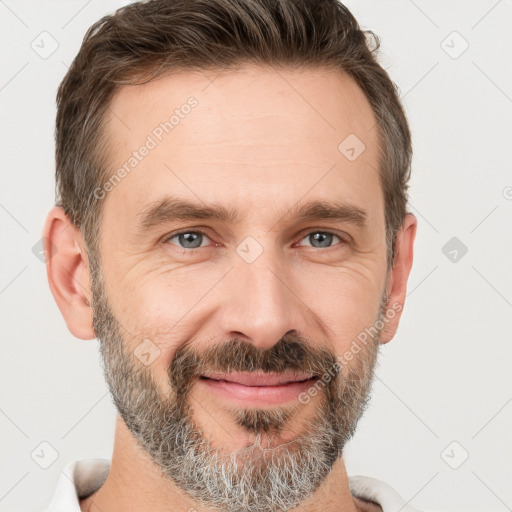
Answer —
186 249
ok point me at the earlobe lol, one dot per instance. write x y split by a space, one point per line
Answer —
399 275
68 272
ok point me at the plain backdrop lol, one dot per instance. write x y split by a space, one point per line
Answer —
438 428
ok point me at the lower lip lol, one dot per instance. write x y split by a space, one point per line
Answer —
257 395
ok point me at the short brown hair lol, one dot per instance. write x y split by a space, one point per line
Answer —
145 40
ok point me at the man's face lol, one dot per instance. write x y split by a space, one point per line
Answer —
267 292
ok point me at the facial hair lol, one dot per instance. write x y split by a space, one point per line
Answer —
266 475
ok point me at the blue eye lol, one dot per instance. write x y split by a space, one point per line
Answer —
197 239
189 239
321 239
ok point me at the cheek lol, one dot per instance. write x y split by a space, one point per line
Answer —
159 309
154 293
347 300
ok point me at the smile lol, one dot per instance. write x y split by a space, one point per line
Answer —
257 388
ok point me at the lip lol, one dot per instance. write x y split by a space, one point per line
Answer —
259 379
257 388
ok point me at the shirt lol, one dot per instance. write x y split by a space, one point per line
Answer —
81 478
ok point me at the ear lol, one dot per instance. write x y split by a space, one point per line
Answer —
68 272
398 276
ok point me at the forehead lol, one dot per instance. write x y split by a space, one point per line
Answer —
247 136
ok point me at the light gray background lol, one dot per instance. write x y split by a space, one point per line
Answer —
446 376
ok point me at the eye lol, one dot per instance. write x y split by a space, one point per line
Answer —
196 239
321 239
189 239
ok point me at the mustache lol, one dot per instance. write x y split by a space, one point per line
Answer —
289 354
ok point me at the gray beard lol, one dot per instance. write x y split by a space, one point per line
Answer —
266 475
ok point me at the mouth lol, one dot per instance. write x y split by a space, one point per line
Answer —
258 388
258 379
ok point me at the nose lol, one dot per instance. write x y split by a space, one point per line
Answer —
261 304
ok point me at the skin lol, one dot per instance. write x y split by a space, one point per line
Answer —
260 141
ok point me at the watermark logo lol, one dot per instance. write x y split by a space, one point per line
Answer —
351 147
44 455
45 45
40 249
146 352
249 249
455 455
454 249
454 45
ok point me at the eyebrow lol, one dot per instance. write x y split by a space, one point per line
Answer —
169 208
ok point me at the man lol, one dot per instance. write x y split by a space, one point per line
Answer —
231 225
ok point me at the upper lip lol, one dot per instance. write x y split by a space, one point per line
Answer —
259 379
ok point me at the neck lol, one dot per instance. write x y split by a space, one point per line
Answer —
135 483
